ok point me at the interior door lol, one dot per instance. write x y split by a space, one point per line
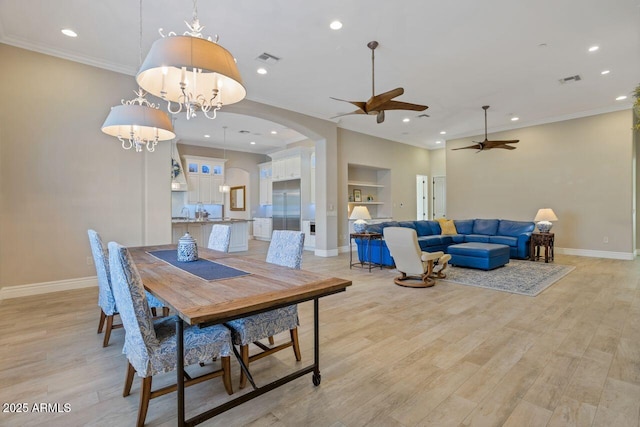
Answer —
439 197
422 197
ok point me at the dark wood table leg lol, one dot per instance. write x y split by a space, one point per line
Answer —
180 369
316 340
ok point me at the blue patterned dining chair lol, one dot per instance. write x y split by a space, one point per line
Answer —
285 249
106 302
150 346
220 238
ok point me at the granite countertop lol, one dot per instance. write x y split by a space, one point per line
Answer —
207 221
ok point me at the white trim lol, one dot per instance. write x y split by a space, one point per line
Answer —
326 252
629 256
8 292
70 56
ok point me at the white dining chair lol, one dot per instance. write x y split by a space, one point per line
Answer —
220 238
106 302
285 249
150 346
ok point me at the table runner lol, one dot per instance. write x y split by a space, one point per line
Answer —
203 268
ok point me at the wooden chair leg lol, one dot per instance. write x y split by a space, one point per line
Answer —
107 331
128 380
226 374
154 312
271 340
296 343
244 354
145 395
165 311
102 319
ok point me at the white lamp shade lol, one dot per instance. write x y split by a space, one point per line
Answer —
162 70
360 212
146 122
545 214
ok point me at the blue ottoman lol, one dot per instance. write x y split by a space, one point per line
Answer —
485 256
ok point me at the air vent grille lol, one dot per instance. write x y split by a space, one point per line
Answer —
570 79
267 58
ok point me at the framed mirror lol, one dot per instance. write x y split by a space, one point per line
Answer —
237 198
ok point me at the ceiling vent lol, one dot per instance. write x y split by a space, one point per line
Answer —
267 58
423 116
571 79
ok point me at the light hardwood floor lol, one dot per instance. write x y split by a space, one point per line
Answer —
450 355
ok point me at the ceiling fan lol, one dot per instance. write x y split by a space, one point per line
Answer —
486 144
377 104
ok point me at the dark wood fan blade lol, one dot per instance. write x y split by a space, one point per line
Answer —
511 141
380 117
360 104
506 147
374 103
348 114
474 147
397 105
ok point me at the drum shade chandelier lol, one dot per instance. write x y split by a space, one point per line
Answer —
191 73
137 123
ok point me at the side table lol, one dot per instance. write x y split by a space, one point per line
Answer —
539 240
368 237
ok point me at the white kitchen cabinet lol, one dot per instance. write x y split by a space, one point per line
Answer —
266 189
217 196
204 176
262 228
287 168
177 231
309 236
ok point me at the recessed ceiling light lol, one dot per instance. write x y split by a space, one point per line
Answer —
605 72
273 132
515 119
253 143
443 133
594 48
621 98
69 32
438 142
406 120
207 136
262 70
335 25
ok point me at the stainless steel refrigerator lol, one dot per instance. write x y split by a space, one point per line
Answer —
286 205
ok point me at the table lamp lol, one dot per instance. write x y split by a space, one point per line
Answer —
543 219
360 213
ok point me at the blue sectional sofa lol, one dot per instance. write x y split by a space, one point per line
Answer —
515 234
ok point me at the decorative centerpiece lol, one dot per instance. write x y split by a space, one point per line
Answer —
187 249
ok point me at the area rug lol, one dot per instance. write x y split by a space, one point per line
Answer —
519 277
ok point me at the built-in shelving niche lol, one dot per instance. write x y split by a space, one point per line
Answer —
375 188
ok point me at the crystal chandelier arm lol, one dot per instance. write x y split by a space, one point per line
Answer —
215 110
127 144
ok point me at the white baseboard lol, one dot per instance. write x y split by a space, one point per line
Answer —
345 249
8 292
628 256
326 253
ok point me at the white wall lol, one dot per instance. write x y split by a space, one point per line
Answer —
582 168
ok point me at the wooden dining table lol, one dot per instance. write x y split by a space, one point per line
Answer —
197 301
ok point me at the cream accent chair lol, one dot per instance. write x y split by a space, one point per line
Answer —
418 268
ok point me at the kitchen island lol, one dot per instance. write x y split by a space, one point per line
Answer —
201 229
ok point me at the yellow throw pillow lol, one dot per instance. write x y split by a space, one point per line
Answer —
447 226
